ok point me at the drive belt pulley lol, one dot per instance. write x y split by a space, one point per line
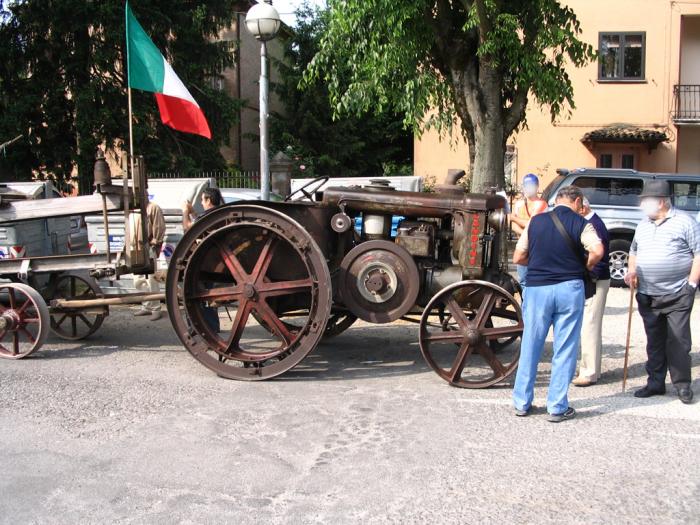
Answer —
379 281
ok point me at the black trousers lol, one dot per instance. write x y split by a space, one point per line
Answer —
667 325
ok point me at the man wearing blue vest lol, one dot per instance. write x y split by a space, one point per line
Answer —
554 296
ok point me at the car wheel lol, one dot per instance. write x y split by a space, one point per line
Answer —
619 255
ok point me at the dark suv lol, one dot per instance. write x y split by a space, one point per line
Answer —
614 196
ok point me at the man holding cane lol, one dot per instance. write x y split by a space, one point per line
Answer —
664 266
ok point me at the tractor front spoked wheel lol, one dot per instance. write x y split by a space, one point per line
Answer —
459 327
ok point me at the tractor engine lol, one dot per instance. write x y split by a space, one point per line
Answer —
412 245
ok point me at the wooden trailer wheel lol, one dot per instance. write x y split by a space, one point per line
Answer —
248 292
24 320
75 324
458 327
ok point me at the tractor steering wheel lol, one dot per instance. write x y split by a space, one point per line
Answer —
319 181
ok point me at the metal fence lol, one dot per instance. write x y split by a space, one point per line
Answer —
224 179
686 102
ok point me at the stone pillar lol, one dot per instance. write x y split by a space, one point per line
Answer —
281 174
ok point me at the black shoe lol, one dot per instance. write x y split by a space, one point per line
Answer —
524 413
558 418
648 392
685 394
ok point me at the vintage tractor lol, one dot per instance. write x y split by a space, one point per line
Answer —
253 287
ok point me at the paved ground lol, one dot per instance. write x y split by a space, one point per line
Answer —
128 428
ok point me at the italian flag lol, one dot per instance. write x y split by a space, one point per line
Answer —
148 70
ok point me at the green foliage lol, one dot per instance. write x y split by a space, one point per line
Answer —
62 83
440 62
349 145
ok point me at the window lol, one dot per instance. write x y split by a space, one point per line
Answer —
621 56
627 162
605 161
686 195
605 191
548 192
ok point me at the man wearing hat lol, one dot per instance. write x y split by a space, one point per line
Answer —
664 265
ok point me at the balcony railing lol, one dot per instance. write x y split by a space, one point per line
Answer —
686 103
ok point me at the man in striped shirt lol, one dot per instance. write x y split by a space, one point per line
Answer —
664 264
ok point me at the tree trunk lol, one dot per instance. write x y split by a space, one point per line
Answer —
488 168
478 103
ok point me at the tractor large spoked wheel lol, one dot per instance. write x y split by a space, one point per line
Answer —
72 324
24 320
458 327
248 292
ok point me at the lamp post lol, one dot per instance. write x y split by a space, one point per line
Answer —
263 22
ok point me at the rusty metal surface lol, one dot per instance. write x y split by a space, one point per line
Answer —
273 268
410 204
254 269
379 281
417 237
458 330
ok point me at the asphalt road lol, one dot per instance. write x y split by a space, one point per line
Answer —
128 428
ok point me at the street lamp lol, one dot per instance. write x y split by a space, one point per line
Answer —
263 22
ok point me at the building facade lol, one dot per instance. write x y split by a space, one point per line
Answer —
242 81
637 107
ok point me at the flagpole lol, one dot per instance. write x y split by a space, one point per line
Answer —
128 89
131 136
130 169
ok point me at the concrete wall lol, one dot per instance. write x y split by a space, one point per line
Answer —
545 146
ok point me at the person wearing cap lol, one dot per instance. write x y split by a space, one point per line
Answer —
525 209
554 297
664 266
592 327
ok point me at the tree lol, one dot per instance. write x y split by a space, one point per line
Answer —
348 146
444 62
63 86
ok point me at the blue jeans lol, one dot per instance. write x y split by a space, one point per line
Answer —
560 305
522 273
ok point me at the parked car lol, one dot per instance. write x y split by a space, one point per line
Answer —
614 196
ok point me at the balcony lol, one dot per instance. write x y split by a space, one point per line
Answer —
686 104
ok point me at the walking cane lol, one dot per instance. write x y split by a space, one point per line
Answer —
629 330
